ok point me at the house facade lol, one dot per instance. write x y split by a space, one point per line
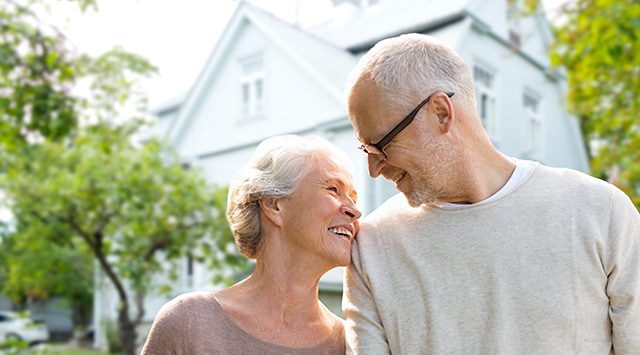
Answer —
268 77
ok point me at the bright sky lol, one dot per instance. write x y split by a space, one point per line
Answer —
176 36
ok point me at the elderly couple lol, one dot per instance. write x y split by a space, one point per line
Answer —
484 254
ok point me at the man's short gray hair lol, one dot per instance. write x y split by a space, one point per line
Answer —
275 171
409 67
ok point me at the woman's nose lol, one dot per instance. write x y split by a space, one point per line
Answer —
352 211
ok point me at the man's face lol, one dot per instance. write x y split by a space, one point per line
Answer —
415 158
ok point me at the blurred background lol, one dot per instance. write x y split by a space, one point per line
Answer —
123 121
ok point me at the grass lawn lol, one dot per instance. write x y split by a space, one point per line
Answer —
78 352
57 350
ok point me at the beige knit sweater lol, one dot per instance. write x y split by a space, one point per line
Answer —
552 267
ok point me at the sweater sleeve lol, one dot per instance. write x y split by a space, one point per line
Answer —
363 328
623 286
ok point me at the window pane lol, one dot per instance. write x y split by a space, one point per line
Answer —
530 103
245 93
252 86
483 77
258 89
252 67
483 107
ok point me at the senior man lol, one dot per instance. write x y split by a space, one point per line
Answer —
481 253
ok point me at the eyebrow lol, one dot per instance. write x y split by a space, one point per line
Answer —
338 179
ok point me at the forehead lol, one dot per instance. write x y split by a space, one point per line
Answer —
330 169
368 116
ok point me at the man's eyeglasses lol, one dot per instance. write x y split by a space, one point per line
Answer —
377 150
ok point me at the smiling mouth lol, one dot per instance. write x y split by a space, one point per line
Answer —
342 231
399 177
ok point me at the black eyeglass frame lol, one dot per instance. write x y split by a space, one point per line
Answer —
398 128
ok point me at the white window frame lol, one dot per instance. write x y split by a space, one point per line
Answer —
251 86
514 15
486 98
532 107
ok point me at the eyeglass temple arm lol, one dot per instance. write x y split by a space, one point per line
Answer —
405 122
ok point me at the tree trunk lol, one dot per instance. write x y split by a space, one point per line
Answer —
126 327
127 332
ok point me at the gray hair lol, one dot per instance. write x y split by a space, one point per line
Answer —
413 65
275 171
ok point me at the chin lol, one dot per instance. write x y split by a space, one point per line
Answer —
344 260
419 198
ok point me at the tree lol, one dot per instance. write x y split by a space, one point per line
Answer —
136 208
76 184
598 43
41 72
37 269
37 74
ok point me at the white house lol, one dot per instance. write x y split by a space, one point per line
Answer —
267 77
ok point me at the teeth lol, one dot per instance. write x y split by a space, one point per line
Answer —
341 231
399 176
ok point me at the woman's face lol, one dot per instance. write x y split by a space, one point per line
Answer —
320 219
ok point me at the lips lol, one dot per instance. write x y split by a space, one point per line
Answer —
343 231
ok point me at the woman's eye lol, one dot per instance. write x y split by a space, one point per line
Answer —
333 188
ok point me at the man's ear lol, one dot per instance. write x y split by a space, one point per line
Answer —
271 209
443 108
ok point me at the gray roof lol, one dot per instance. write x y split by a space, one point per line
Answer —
370 25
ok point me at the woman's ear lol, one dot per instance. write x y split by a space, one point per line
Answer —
271 209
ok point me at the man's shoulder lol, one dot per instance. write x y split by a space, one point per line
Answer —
389 216
391 208
564 177
577 187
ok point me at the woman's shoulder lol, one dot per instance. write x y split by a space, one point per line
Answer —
189 303
182 322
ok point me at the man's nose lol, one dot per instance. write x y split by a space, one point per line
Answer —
375 165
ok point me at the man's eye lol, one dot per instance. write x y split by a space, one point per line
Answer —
333 188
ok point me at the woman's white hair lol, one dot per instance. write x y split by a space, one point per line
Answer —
409 67
275 171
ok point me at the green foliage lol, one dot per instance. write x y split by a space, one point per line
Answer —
126 203
112 82
79 189
38 269
13 346
40 72
598 43
35 77
113 339
135 208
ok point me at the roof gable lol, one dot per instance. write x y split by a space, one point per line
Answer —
327 64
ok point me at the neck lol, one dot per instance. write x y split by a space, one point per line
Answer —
286 286
482 174
279 303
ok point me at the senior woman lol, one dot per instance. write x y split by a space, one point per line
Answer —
292 208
